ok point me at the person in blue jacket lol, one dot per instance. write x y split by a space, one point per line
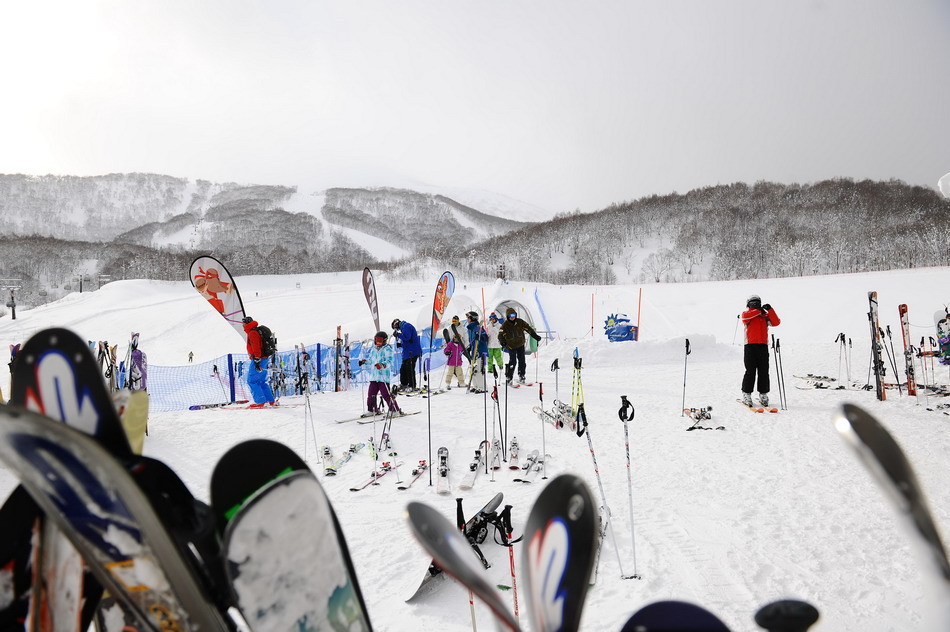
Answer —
380 359
478 351
408 339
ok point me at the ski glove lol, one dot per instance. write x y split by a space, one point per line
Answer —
536 337
379 366
257 364
764 311
766 307
361 362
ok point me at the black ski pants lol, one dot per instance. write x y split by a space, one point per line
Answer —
516 355
756 359
407 372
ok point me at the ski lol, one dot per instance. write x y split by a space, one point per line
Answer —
550 418
560 536
877 345
698 415
532 473
365 419
754 409
218 405
513 463
442 484
384 468
416 474
494 460
478 462
887 463
528 465
434 577
278 497
674 616
368 420
908 350
333 468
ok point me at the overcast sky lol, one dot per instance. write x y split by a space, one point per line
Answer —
562 104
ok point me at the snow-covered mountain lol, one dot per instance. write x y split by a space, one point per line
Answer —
163 211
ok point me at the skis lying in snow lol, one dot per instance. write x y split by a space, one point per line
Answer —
478 462
332 468
528 466
442 484
417 473
384 416
384 468
218 405
698 415
513 462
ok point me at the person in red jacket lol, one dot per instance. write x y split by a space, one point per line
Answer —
757 318
257 367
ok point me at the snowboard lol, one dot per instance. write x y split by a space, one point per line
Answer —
309 585
451 552
560 537
434 575
95 502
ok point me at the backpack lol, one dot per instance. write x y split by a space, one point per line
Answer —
268 341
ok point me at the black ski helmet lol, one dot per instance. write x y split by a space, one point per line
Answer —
472 314
246 319
381 335
754 302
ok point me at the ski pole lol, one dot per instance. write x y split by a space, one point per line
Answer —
544 450
583 429
460 522
626 414
506 523
685 360
890 357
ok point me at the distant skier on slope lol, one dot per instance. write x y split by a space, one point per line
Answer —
757 318
257 371
379 357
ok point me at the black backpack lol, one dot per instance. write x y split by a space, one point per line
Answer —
268 341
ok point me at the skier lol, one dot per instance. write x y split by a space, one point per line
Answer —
512 337
408 339
493 328
453 349
191 356
138 371
757 318
257 373
477 351
380 360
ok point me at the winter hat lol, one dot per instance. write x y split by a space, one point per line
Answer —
754 301
455 319
510 312
493 316
396 323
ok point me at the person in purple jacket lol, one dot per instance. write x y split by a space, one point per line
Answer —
453 349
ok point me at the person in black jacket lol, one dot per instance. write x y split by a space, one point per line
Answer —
512 338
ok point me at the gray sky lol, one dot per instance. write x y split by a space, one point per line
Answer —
562 104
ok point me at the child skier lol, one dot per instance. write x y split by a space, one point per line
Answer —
380 360
494 344
453 349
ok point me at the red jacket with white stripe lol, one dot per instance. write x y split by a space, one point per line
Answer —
757 325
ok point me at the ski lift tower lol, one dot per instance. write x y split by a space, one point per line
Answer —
11 285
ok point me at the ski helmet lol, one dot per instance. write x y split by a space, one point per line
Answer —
472 314
754 302
455 319
246 319
380 337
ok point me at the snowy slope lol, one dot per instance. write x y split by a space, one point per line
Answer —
774 506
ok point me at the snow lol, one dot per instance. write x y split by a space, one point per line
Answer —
944 185
776 506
